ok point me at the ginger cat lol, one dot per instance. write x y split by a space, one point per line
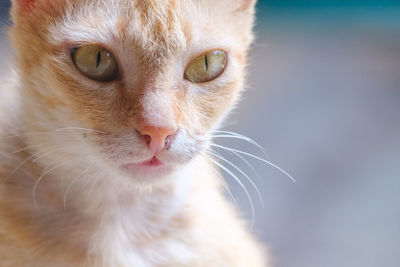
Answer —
104 134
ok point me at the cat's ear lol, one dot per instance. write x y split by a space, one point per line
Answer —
244 5
38 5
23 4
34 12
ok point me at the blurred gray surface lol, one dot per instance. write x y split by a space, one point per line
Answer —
324 101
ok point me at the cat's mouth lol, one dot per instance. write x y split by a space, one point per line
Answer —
150 166
153 162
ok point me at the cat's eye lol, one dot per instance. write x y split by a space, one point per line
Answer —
206 67
95 62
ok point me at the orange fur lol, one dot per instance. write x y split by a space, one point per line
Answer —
65 200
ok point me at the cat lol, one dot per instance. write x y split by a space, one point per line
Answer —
105 128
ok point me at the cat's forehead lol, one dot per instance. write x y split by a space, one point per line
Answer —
150 25
162 27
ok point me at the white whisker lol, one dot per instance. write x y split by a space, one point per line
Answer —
29 134
226 187
247 163
63 130
72 183
79 129
242 172
242 186
47 153
20 165
238 137
227 134
27 148
256 157
44 173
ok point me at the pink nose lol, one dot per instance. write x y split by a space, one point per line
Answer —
157 138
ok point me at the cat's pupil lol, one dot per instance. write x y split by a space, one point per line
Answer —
98 59
206 61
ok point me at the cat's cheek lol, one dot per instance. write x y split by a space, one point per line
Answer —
213 104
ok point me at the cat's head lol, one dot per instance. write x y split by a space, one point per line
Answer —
137 85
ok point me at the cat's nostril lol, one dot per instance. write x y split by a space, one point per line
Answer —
147 138
169 140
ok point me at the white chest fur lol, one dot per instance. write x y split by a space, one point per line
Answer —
145 229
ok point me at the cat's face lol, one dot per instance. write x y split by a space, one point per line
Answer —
136 84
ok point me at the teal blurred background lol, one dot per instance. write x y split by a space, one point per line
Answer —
324 100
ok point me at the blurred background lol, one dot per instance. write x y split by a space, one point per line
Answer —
323 100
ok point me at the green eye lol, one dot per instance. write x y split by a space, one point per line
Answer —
206 67
96 63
